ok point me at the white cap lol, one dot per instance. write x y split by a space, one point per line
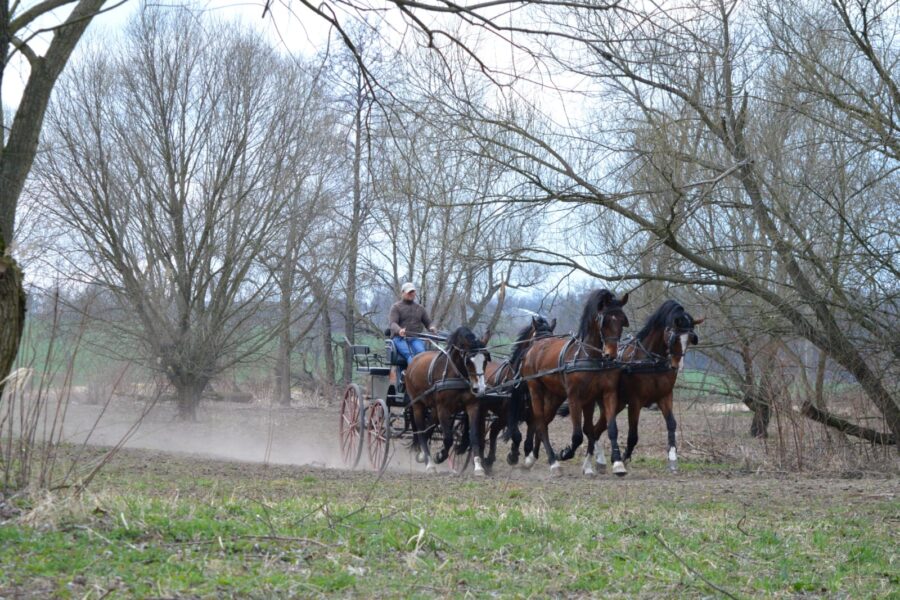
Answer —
407 287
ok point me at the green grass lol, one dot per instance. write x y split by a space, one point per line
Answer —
250 531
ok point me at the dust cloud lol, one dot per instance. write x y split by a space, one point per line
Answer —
245 432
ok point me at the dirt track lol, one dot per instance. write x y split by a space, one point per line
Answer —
711 444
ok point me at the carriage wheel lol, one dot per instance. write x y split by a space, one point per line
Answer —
352 425
459 462
378 434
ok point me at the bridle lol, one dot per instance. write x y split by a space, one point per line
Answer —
672 334
600 317
465 355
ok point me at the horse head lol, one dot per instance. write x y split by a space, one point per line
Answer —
679 335
470 356
541 327
669 332
603 320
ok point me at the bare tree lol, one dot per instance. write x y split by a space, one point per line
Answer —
703 145
173 166
18 32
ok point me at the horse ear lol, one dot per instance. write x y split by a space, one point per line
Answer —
552 324
700 320
624 300
534 322
486 337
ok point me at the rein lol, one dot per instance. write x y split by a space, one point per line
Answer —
653 363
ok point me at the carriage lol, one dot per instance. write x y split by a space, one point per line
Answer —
583 369
378 413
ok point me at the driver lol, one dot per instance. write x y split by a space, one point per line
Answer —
408 318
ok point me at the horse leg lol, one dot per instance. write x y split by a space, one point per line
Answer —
476 418
445 418
543 414
665 407
587 468
634 416
575 414
537 413
420 436
496 426
598 429
515 407
610 406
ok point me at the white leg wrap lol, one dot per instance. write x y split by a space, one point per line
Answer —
479 468
601 459
420 457
619 468
554 469
529 461
587 468
673 459
430 467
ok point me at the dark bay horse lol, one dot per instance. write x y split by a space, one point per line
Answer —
652 361
501 375
581 368
448 381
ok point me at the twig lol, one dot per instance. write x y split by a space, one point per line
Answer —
266 538
697 573
106 539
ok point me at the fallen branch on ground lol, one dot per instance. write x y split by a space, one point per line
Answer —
831 420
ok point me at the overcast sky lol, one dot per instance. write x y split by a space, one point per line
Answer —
296 30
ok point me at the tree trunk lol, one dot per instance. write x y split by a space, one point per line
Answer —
22 139
189 390
353 235
283 369
12 314
18 146
327 347
762 414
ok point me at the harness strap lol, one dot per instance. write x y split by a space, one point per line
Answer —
451 383
653 363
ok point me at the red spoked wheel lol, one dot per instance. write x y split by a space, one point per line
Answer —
352 425
378 434
459 462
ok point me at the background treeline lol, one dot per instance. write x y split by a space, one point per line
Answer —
213 202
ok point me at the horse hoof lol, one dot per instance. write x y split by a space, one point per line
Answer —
529 462
555 471
431 468
601 469
480 473
673 466
588 472
512 459
619 468
420 457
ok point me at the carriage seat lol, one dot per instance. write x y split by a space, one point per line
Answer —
394 357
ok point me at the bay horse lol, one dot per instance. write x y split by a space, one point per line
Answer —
503 375
448 381
583 369
651 363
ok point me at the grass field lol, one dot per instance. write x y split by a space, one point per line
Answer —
164 525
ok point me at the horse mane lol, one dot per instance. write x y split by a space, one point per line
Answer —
463 337
524 334
597 299
661 318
